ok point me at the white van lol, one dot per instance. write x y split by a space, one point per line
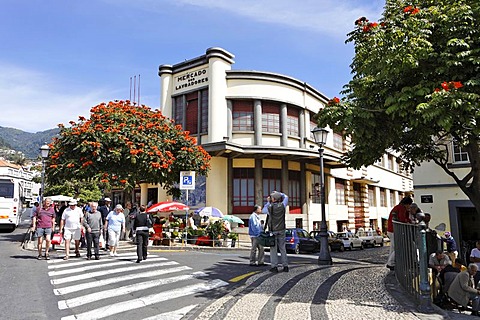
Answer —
10 203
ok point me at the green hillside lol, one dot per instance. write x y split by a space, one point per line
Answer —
4 145
26 142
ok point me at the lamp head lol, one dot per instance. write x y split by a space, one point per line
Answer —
320 136
45 149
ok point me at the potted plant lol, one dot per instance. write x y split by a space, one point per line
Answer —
200 232
215 231
234 237
191 235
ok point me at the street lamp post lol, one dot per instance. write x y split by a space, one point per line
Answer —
45 149
320 135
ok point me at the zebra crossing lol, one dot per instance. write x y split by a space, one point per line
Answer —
160 288
118 288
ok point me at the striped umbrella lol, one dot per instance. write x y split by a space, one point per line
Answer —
209 212
167 206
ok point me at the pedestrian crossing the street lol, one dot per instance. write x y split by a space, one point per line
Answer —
118 288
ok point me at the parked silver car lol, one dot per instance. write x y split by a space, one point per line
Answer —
351 241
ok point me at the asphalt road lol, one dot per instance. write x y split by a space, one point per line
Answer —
26 291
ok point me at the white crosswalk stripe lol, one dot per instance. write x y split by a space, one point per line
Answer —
56 264
120 307
95 267
92 297
174 315
118 287
134 276
89 275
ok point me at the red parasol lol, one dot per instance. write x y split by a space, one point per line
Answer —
167 206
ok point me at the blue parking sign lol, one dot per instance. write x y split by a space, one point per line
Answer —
187 180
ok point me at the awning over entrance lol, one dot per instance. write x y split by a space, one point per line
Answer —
233 150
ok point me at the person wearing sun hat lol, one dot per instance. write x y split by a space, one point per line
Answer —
451 246
114 225
72 220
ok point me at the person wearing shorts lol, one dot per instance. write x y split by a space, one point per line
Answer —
72 219
44 221
114 225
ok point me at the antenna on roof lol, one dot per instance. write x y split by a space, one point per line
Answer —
136 90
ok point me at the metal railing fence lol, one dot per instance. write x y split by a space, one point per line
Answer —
411 261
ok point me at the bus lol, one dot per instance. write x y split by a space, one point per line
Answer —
11 206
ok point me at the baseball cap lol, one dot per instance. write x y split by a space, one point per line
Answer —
72 202
108 199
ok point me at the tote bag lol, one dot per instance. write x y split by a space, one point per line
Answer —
267 239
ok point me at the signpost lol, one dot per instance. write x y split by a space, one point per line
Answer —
187 182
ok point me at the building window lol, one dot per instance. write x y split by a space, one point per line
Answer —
338 141
242 114
294 191
357 195
292 122
371 196
178 107
270 117
313 125
271 181
390 163
316 188
383 197
204 111
243 190
340 191
191 114
191 111
381 162
392 198
459 153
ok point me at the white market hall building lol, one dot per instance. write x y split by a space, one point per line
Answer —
257 128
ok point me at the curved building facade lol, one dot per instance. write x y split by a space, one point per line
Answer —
257 127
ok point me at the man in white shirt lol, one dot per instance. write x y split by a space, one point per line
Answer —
72 220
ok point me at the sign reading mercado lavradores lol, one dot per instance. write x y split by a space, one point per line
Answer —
191 79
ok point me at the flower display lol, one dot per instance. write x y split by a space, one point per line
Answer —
447 86
334 101
122 144
411 10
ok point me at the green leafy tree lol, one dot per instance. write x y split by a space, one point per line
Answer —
121 145
415 87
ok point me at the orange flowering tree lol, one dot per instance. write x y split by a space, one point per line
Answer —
122 144
415 87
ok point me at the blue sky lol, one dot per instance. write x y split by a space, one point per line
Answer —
60 58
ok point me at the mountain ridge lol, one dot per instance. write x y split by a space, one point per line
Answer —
26 142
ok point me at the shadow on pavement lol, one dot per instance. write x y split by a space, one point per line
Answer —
24 257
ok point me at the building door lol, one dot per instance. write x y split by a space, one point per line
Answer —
342 225
469 231
358 207
152 195
299 223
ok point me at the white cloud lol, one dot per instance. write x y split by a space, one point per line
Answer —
33 101
328 17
